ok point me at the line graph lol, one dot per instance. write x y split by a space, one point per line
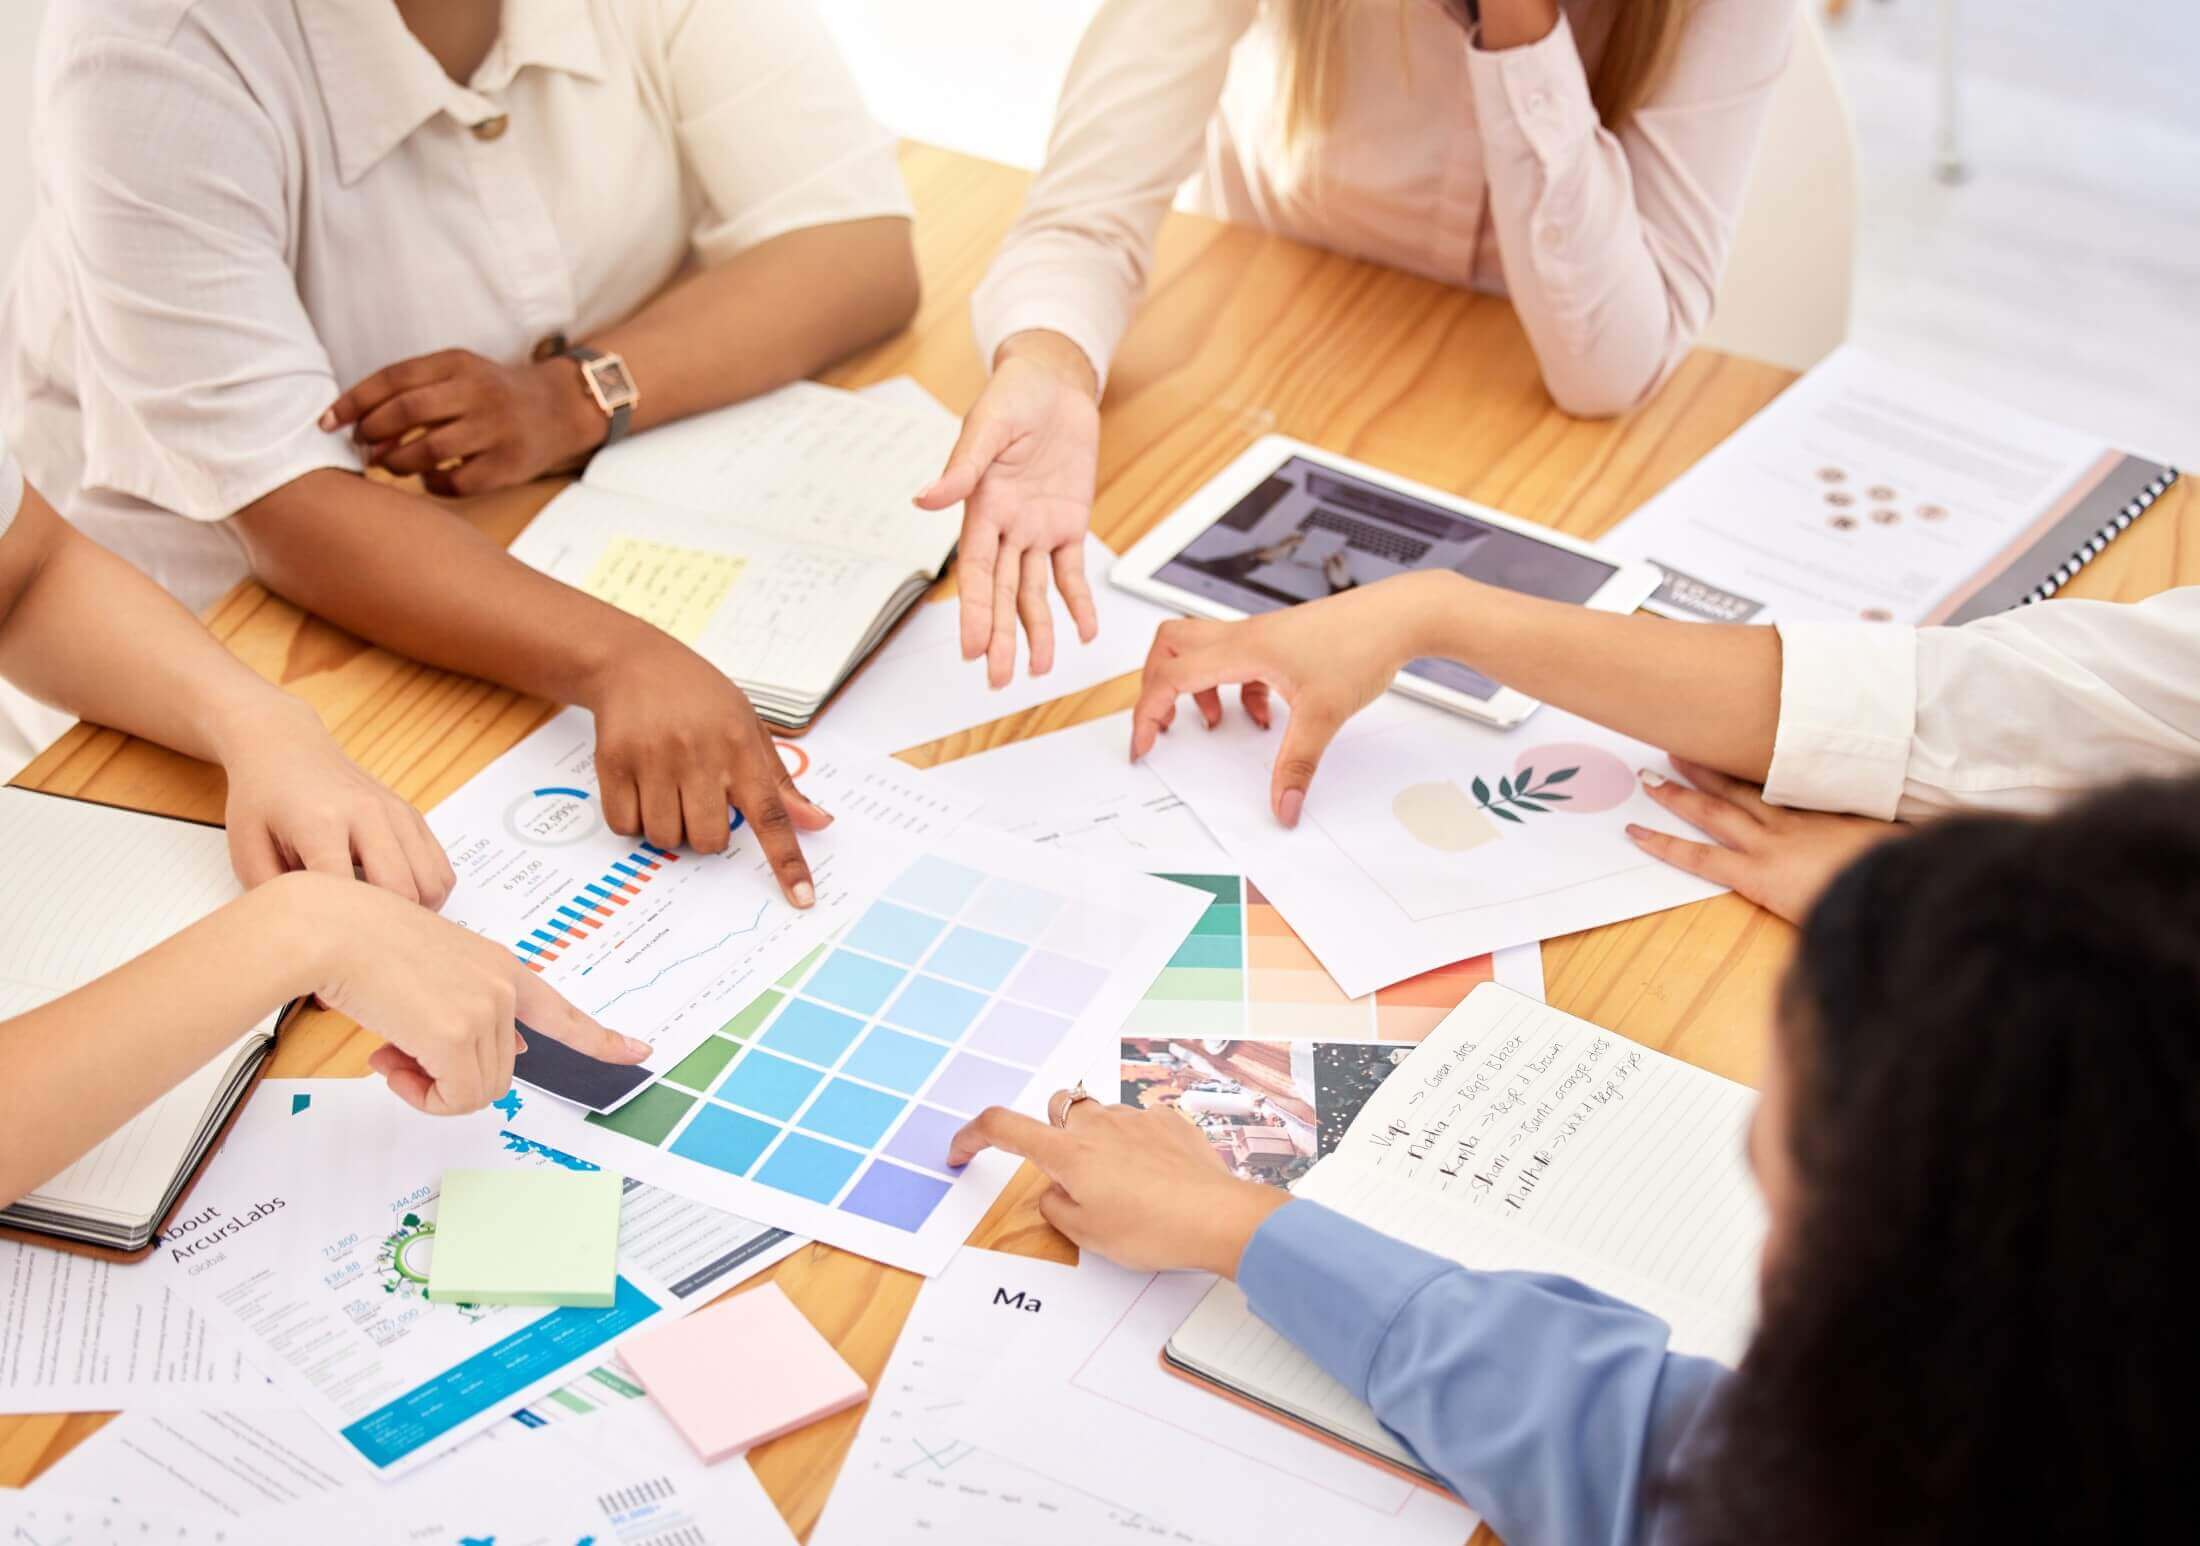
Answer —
672 966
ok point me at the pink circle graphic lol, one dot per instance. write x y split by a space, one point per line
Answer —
1601 781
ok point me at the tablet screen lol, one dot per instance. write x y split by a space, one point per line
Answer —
1310 531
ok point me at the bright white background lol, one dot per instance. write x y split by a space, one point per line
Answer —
2064 275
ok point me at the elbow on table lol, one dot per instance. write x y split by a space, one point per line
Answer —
1584 387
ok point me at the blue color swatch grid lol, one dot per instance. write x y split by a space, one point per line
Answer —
844 1083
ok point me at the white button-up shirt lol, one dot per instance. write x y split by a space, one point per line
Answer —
1463 164
245 207
2012 713
11 487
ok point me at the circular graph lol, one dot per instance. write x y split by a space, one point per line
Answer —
1600 782
549 818
793 758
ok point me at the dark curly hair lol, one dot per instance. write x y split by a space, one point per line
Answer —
1981 1327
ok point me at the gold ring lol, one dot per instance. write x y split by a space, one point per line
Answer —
1069 1099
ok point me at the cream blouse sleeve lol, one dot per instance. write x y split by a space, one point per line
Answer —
1128 131
201 376
771 122
11 488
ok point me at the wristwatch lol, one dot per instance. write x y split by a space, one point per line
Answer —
610 384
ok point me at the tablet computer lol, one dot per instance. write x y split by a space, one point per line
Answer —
1288 522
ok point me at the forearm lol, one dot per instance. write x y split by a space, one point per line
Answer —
91 634
763 318
118 1043
403 572
1707 692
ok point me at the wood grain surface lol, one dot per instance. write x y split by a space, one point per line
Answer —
1242 335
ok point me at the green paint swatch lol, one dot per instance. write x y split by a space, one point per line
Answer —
532 1237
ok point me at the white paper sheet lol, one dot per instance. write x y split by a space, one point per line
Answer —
1086 1401
1078 789
1417 846
308 1239
913 1473
625 1480
82 1335
662 946
917 687
1865 491
987 972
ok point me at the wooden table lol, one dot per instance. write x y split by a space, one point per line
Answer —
1242 335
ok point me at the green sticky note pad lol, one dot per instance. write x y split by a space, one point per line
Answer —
536 1237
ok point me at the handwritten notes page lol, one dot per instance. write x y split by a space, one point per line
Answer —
776 536
1520 1138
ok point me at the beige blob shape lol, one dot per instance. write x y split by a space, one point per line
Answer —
1444 817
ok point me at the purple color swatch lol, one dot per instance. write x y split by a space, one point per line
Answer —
970 1084
896 1197
924 1137
1056 982
1019 1033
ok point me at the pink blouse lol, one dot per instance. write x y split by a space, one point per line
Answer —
1488 169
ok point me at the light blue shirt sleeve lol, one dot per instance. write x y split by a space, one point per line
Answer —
1545 1405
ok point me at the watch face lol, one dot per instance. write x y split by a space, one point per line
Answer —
613 386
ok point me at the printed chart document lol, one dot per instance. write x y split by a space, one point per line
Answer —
660 944
82 1335
90 911
986 971
1520 1138
776 536
1870 492
913 1472
1425 836
625 1480
311 1240
1084 1401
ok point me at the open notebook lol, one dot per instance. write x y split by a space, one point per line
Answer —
1517 1137
776 536
90 887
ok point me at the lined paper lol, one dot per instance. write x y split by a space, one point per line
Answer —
1517 1137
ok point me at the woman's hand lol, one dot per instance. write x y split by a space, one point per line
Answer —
448 1001
677 743
1778 858
296 802
480 425
1024 471
1143 1188
1328 659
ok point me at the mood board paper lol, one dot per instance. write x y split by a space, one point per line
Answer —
742 1373
989 973
1425 836
311 1237
652 941
546 1235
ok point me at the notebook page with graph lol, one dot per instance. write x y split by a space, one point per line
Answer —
94 886
1520 1138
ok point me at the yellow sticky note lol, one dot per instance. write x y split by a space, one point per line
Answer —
673 587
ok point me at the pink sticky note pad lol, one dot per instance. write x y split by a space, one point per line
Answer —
742 1372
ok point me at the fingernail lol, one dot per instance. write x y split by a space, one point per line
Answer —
635 1047
1651 778
328 418
1293 801
805 894
519 1043
828 815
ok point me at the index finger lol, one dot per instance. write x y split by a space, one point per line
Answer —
541 1008
372 391
997 1127
760 803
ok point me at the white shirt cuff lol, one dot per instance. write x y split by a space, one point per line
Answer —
1038 305
1848 712
1533 98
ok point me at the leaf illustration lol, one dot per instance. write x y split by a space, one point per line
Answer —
1527 779
1545 794
1500 811
1505 788
1561 775
1526 804
1481 791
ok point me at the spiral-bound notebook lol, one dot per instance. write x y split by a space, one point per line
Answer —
1871 492
1519 1138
